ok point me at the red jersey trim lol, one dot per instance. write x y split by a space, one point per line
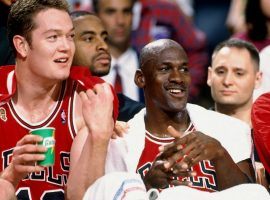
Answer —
71 108
160 140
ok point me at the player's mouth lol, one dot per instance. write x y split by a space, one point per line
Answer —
61 60
177 91
104 59
227 92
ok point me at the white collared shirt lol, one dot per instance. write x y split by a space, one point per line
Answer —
127 65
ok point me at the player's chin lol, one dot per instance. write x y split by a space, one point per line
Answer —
62 75
102 70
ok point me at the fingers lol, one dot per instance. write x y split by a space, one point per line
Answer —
177 183
29 148
114 136
183 170
25 169
193 157
103 88
120 128
28 159
28 144
98 89
180 140
29 139
173 132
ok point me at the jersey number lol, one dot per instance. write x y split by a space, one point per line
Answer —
25 194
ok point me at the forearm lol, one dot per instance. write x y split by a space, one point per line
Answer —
9 176
7 190
89 167
228 173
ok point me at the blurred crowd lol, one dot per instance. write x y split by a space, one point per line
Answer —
160 57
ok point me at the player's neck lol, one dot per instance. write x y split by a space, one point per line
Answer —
35 100
158 122
242 112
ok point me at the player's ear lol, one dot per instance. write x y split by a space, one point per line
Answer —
21 45
139 78
209 76
258 79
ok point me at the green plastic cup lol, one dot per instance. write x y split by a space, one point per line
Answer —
48 141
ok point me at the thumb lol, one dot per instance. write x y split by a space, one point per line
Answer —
174 133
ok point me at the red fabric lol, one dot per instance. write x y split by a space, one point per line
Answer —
79 74
87 81
4 93
260 117
118 82
51 182
205 178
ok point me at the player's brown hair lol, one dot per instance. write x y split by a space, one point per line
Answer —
22 14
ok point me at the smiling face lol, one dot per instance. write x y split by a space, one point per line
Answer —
232 77
52 48
117 18
166 79
91 45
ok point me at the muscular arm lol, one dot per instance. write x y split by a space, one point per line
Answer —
230 174
196 147
89 149
7 191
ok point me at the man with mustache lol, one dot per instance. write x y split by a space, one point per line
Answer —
92 51
43 90
171 142
116 16
200 147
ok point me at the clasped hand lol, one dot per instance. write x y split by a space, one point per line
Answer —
177 158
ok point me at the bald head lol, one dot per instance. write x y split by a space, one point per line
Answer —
151 51
164 76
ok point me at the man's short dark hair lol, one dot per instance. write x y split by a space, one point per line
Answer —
240 44
96 6
22 14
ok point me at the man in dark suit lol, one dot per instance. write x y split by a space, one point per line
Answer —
92 51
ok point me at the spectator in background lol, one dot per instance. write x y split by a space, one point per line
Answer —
116 16
163 19
165 78
92 51
236 17
42 90
187 7
257 19
233 75
6 54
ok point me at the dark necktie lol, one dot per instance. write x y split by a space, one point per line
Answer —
118 83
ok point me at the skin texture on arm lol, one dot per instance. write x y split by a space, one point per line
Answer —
7 191
89 150
196 147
